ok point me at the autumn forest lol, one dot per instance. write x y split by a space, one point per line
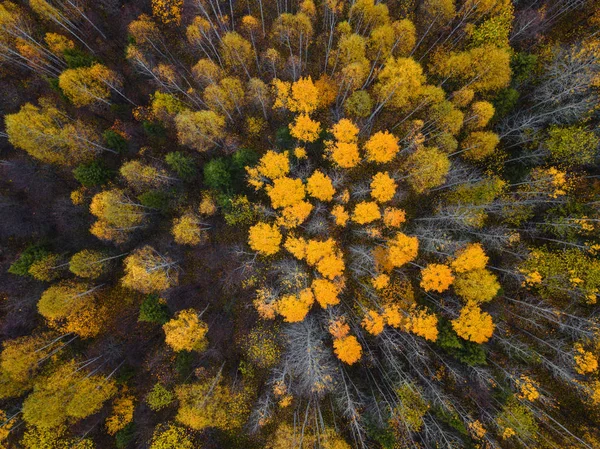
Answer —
299 224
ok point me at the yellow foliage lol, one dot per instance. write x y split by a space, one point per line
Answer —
305 129
436 277
347 349
272 165
424 325
528 389
402 249
585 362
320 187
383 187
338 328
167 11
382 147
264 238
326 292
187 230
88 85
294 215
477 286
473 324
122 414
481 114
381 281
296 246
147 271
186 332
344 154
295 308
393 217
472 257
57 43
301 96
366 212
373 322
286 192
326 257
340 215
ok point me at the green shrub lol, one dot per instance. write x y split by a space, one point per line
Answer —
216 174
115 141
92 174
159 397
27 258
183 165
153 310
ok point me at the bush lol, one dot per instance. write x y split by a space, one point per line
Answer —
76 58
153 310
92 174
216 174
183 165
155 199
125 436
159 397
115 141
27 258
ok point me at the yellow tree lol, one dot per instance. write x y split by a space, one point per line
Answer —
117 215
304 128
473 324
201 130
381 147
436 277
49 135
402 249
319 186
347 349
186 332
383 187
426 168
478 285
167 11
85 86
189 230
264 238
148 271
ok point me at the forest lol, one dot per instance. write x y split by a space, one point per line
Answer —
299 224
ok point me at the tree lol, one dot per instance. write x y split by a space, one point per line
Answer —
122 414
427 167
186 332
471 257
473 324
383 187
148 271
89 264
73 306
264 238
159 397
183 165
188 230
366 212
236 51
399 82
572 145
201 130
485 68
347 349
47 134
211 403
436 277
154 310
319 186
85 86
478 285
117 215
143 176
167 11
382 147
480 144
171 436
304 128
66 394
402 249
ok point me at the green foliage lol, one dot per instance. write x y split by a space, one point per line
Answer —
283 138
518 418
27 258
76 58
155 199
155 130
359 104
466 351
237 210
183 364
115 141
572 145
92 174
216 174
183 165
523 65
505 102
159 397
154 310
125 436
